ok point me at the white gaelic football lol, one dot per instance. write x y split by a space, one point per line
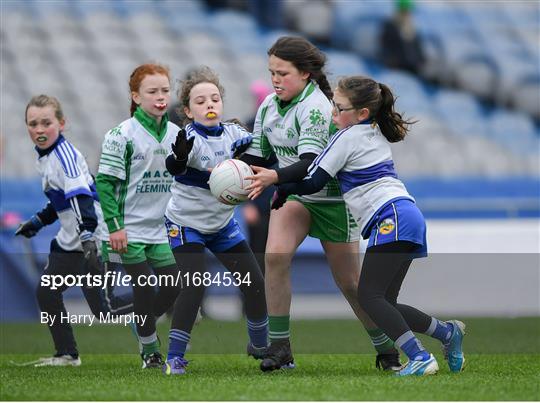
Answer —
227 182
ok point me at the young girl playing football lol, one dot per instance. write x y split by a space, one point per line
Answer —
73 201
295 124
134 188
359 154
196 220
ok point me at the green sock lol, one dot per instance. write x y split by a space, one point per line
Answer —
150 348
380 340
278 328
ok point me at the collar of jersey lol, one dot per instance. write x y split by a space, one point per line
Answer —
48 150
151 125
283 107
205 131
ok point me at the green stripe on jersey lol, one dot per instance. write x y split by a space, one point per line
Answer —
312 141
124 185
113 163
110 165
297 125
266 147
112 156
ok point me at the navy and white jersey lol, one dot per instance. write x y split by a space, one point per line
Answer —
192 205
65 175
361 158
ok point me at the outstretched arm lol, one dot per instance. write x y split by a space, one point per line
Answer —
266 177
316 182
31 227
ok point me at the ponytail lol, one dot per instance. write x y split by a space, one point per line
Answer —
392 125
324 85
363 92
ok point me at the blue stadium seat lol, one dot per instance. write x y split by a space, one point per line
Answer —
461 112
462 43
269 38
440 18
482 44
85 8
526 93
514 130
229 22
518 78
484 15
344 64
239 30
365 36
127 7
47 7
524 14
478 74
346 17
412 98
180 13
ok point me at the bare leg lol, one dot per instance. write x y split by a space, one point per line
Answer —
288 228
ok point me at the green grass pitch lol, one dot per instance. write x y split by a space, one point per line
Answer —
334 362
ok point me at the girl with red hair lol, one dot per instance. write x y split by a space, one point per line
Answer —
134 188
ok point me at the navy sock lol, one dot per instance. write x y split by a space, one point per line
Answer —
412 347
258 332
440 330
178 341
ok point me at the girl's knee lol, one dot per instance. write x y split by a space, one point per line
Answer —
277 262
365 296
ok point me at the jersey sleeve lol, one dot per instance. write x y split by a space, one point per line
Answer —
238 132
312 123
70 172
113 154
195 151
106 187
260 146
334 157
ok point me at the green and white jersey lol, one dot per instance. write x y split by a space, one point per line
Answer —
134 154
302 126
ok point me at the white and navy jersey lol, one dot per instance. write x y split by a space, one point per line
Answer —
303 126
361 158
65 175
192 204
137 158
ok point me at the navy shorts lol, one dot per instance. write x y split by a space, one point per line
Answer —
400 220
223 240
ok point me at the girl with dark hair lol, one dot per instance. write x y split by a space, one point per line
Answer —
196 220
359 154
134 188
295 124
